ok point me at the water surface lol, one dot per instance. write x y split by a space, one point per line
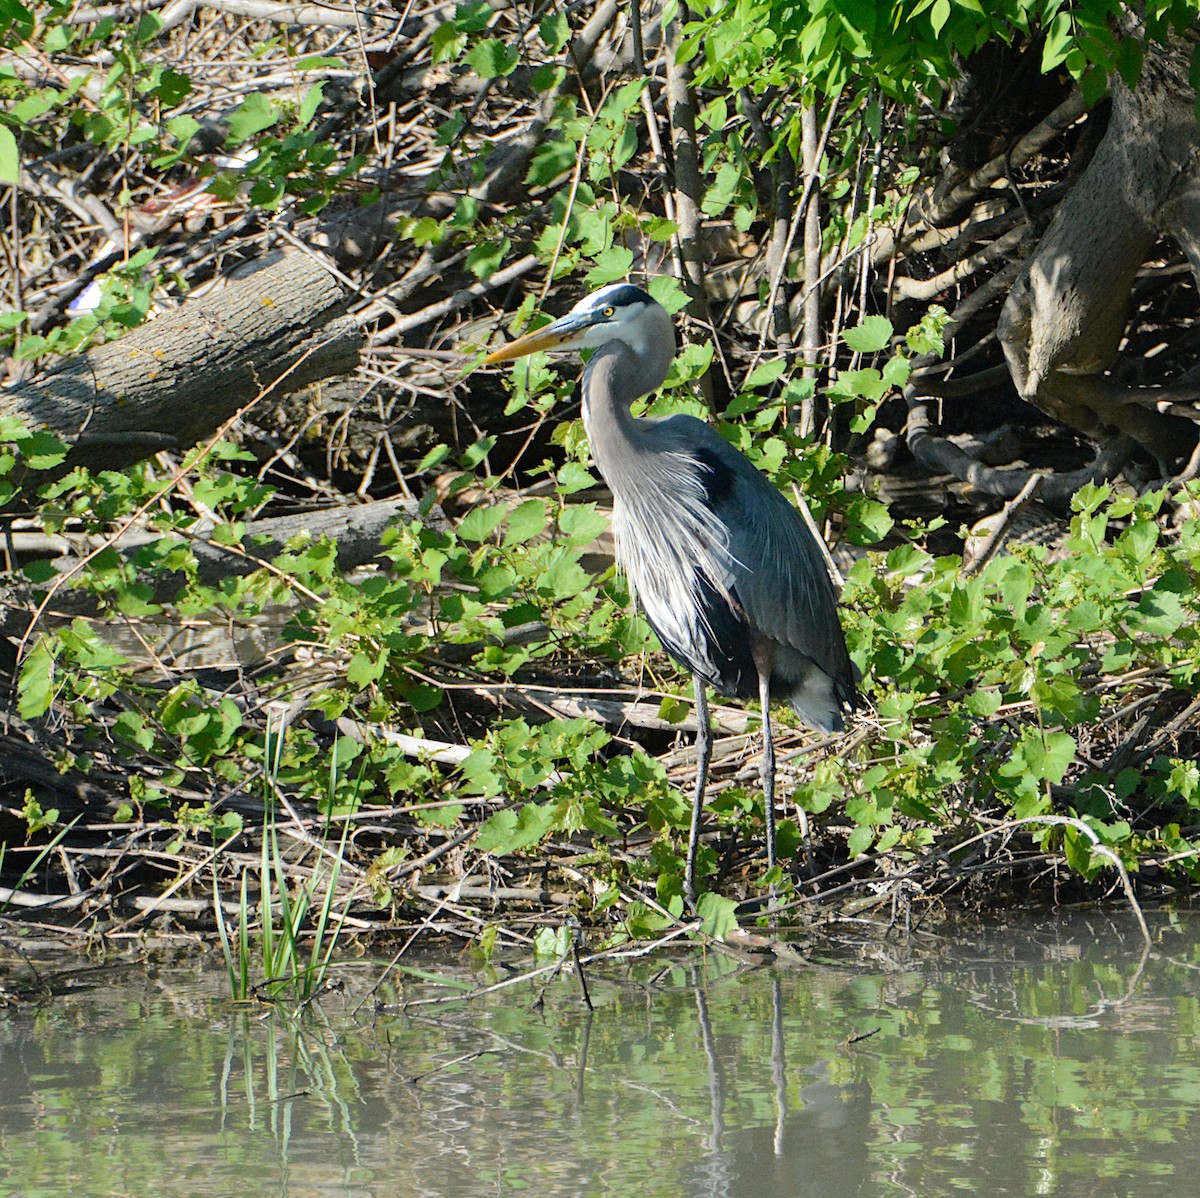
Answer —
1038 1055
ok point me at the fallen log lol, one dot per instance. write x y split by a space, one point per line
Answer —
172 383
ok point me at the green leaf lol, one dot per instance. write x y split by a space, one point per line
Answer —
612 264
172 87
35 687
667 291
581 523
310 104
485 258
1059 41
473 16
860 839
720 195
479 523
572 477
492 59
12 10
447 43
551 160
555 31
252 116
524 522
765 373
317 62
1159 613
867 521
858 384
42 451
10 159
718 915
366 668
870 335
508 831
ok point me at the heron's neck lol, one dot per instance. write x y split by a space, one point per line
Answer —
612 380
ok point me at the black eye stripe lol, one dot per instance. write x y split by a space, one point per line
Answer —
627 293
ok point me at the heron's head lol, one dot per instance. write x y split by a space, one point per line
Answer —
618 312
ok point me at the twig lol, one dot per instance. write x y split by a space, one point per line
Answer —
995 539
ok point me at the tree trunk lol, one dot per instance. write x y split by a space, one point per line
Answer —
1064 318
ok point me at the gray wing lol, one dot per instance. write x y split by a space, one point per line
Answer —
778 569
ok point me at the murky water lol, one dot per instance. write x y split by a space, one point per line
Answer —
1044 1055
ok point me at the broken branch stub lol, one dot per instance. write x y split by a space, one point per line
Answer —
172 383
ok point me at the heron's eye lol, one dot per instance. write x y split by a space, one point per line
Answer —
610 311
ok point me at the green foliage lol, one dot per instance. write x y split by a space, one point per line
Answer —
990 689
907 49
994 681
987 688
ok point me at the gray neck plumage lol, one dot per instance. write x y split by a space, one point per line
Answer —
615 376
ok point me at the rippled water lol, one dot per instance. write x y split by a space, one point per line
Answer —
1040 1055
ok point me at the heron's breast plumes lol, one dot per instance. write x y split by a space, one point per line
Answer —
675 552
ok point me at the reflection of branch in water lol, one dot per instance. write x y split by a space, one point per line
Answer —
1093 1015
585 1038
417 1078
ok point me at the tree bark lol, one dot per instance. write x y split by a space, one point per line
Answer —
1063 321
175 381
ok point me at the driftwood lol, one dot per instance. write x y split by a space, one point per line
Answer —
174 382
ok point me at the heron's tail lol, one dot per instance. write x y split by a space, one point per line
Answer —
819 699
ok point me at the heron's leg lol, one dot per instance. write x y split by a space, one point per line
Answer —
767 765
763 655
704 742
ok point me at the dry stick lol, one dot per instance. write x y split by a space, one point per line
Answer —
996 538
460 299
777 280
411 867
810 341
1065 115
411 746
864 274
156 902
660 162
926 289
688 186
784 179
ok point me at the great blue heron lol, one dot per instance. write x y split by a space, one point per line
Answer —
726 571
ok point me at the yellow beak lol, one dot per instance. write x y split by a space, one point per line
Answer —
559 335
